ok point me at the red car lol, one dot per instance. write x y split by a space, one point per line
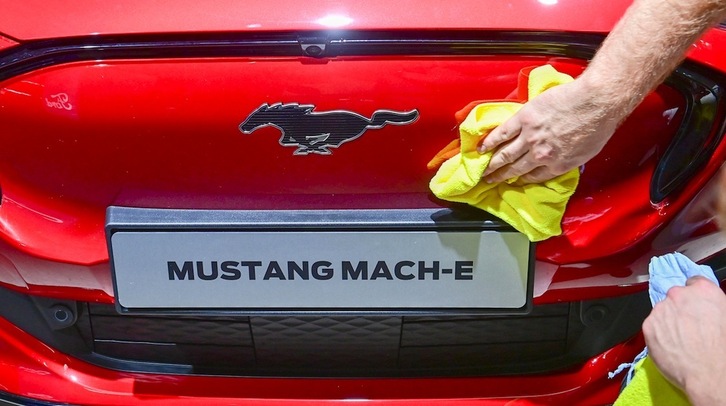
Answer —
228 203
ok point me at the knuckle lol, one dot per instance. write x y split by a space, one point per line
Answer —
493 139
523 166
528 119
506 156
498 176
543 153
537 176
701 281
506 130
503 176
501 132
531 179
491 171
674 292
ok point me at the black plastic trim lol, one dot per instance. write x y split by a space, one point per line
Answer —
583 338
463 218
586 337
43 53
701 132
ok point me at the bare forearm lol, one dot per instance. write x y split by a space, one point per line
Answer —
566 126
645 46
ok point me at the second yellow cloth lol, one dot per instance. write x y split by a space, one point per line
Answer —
650 388
535 210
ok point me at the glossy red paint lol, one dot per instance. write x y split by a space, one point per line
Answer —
29 274
6 43
91 17
707 50
31 369
56 184
68 201
89 135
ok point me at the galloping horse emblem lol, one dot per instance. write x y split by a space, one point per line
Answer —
317 132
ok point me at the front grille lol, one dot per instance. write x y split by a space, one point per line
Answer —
547 338
334 345
551 337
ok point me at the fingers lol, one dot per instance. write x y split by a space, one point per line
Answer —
697 279
538 175
528 171
693 279
673 293
514 160
505 132
506 160
721 205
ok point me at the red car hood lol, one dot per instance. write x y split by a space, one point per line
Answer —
21 20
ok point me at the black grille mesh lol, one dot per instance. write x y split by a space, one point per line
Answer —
333 345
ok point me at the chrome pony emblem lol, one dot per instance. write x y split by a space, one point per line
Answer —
316 132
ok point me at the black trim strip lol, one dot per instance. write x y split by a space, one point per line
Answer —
43 53
701 131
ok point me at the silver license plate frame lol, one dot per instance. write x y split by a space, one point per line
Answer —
404 262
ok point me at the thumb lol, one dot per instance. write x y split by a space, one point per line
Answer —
696 279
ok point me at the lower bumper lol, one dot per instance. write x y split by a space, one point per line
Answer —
30 369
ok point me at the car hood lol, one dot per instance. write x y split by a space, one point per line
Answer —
23 21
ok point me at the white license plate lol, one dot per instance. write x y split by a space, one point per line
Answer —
238 266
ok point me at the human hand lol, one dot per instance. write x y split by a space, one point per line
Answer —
559 130
685 334
721 201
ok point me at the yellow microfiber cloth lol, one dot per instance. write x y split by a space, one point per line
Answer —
649 387
533 209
